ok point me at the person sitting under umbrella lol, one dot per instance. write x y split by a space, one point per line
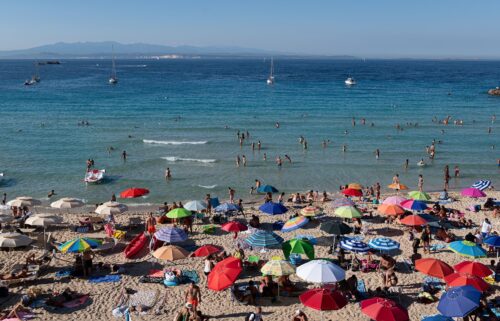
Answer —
286 285
268 288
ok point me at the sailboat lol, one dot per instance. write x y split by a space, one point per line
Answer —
35 78
113 79
270 79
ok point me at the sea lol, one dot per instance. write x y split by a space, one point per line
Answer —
184 114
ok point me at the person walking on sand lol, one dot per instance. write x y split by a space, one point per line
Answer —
231 195
420 183
193 295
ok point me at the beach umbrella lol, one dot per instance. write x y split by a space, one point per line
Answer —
67 202
22 201
206 250
472 267
43 220
170 253
414 205
227 207
195 206
294 223
310 211
355 186
79 245
273 208
347 212
6 218
413 220
493 240
395 200
264 239
111 208
234 226
178 213
390 209
354 245
459 279
344 201
380 309
320 271
472 192
267 189
323 300
433 267
134 192
482 184
398 186
419 196
352 192
459 301
224 274
383 244
171 235
436 317
13 240
298 246
467 248
336 228
277 268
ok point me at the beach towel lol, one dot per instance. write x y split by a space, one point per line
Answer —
189 276
105 278
154 273
64 272
436 247
76 302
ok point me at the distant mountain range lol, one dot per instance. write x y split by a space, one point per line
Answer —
135 50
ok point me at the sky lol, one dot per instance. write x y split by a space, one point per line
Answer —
366 28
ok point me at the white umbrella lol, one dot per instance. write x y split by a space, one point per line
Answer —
195 206
6 218
320 271
14 240
111 208
24 201
43 220
67 202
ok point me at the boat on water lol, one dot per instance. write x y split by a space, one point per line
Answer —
113 79
94 176
350 81
35 78
270 79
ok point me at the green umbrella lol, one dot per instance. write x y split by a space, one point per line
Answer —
419 196
298 246
179 213
347 212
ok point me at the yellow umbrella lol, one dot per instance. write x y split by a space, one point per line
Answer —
278 268
398 186
355 186
170 253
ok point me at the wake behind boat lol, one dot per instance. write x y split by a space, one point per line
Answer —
94 176
113 79
270 79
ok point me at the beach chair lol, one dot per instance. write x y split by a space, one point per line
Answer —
134 222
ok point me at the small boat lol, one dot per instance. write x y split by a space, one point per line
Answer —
113 79
30 82
35 78
270 79
94 176
136 245
350 81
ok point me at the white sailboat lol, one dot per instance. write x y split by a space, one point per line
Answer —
270 79
113 79
350 81
35 78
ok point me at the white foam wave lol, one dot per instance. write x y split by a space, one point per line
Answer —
180 159
172 142
208 186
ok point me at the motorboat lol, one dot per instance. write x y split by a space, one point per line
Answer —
350 81
30 82
270 79
94 176
113 79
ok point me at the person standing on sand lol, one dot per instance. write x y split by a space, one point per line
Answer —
208 200
446 177
151 224
377 190
420 183
231 195
193 295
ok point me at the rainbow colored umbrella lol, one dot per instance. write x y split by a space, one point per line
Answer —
467 248
79 245
294 223
472 192
347 212
414 205
310 211
419 196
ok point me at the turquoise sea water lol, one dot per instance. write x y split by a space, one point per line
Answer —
309 99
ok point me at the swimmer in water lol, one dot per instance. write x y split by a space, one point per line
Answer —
277 125
344 148
421 162
288 158
265 157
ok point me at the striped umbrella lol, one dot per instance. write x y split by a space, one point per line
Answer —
264 239
171 235
482 184
344 201
310 211
294 223
467 248
347 212
354 245
383 244
79 245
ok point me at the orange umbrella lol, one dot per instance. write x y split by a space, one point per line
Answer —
390 209
398 186
413 220
459 279
355 186
433 267
224 274
474 268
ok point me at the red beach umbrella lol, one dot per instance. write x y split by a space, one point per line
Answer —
459 279
134 192
433 267
474 268
224 274
413 220
379 309
206 250
352 192
323 299
235 227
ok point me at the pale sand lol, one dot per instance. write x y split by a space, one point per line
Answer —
218 304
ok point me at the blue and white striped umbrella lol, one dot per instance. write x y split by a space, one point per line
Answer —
481 185
354 245
171 235
383 244
264 239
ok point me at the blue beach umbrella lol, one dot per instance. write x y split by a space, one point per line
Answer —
459 301
273 208
467 248
214 202
226 207
493 240
171 235
414 205
354 245
267 189
383 244
436 317
264 239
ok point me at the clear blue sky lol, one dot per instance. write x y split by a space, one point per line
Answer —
362 27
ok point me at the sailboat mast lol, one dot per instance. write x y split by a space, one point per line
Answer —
113 68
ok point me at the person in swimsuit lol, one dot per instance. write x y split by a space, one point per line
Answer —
150 224
193 295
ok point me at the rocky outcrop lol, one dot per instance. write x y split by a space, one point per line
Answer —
494 92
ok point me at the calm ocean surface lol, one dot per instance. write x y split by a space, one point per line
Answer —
309 99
